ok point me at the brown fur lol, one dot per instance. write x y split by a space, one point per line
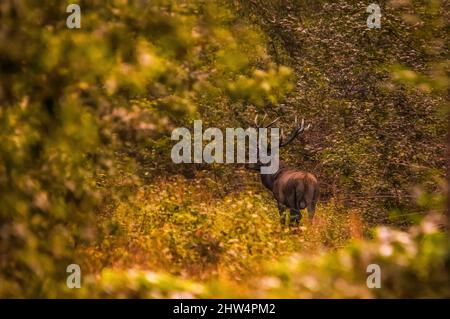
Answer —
293 189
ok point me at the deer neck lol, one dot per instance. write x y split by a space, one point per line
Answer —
268 180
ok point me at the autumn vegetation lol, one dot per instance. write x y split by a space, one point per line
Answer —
86 176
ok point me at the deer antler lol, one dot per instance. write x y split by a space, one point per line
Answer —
296 132
264 126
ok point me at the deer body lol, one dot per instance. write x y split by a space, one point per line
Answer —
293 189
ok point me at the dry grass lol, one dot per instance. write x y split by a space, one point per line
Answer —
184 227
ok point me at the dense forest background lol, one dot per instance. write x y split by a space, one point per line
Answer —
85 170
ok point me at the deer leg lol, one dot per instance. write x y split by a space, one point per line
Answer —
311 201
295 217
282 214
311 208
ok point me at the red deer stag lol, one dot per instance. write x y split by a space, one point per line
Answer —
291 188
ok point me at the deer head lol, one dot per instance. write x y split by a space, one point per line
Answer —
297 130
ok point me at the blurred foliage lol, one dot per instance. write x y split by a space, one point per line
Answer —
179 226
86 176
414 265
74 100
